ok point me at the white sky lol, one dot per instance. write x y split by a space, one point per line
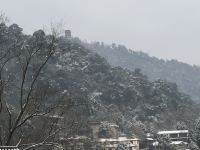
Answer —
163 28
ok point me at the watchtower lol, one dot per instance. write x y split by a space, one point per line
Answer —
68 34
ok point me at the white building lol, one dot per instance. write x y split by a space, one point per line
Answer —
9 148
176 135
112 143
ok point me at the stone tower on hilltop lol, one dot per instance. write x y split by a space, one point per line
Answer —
68 34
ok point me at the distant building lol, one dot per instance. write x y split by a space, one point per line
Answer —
176 135
148 141
9 148
104 130
68 34
103 135
112 144
178 138
107 136
76 143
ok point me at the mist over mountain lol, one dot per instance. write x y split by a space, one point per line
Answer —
118 95
98 90
186 76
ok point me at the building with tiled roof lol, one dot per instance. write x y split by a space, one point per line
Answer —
9 148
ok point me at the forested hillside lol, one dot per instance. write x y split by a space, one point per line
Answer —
126 97
186 76
56 69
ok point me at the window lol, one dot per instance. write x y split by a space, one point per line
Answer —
183 135
173 135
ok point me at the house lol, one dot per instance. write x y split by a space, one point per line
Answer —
104 135
112 144
175 135
148 141
75 143
108 136
177 138
9 148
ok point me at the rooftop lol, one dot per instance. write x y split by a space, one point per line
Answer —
120 139
173 132
178 143
9 148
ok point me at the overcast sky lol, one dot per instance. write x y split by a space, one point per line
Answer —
168 29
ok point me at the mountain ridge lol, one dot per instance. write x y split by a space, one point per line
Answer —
186 76
102 92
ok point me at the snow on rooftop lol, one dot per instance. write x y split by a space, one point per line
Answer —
78 138
120 139
114 125
178 143
55 116
155 143
8 148
150 139
173 132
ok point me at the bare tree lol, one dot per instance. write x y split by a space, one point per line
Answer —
22 100
3 18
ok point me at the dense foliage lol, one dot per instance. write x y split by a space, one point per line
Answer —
186 76
118 95
97 91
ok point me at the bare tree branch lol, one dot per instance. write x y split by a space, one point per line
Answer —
35 145
27 100
10 117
